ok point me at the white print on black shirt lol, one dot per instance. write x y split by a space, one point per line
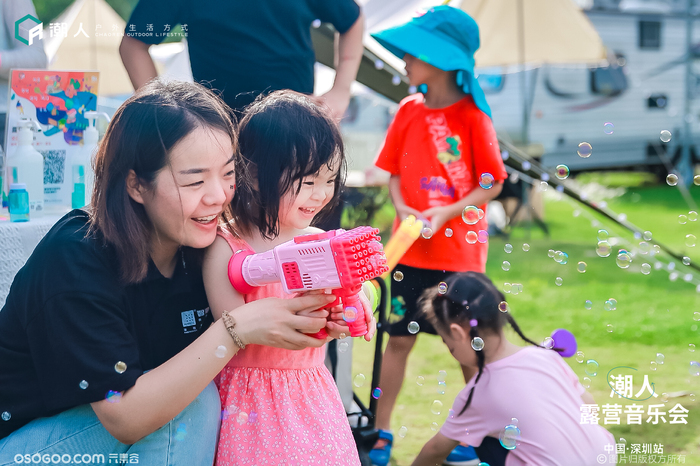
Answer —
192 320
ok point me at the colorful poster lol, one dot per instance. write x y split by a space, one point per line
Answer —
57 101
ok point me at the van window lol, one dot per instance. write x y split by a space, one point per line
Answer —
650 35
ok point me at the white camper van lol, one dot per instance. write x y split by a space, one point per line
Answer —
620 109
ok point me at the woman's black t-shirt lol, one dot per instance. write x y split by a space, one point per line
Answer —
71 333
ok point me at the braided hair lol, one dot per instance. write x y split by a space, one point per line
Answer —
471 300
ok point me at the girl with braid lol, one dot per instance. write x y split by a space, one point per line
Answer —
531 384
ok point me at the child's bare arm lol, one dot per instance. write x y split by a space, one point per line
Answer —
587 398
402 210
220 294
435 451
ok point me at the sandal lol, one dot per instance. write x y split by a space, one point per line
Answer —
381 452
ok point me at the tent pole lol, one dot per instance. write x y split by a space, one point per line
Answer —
523 80
685 168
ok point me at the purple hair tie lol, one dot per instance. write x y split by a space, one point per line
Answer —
473 323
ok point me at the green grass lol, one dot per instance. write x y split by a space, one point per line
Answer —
653 315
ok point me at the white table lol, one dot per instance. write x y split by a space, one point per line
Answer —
17 241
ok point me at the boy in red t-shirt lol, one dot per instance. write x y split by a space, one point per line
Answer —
445 164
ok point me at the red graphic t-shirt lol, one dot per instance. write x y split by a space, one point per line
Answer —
439 154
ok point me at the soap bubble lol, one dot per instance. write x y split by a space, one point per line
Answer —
472 237
470 215
509 437
403 431
610 328
580 357
120 367
586 383
242 418
589 304
477 344
682 219
113 396
442 375
508 248
660 358
434 426
526 165
581 267
413 327
396 80
665 136
604 249
442 288
427 233
343 346
686 260
696 180
693 216
506 266
548 343
603 235
623 260
83 384
646 268
436 407
691 348
608 128
584 150
526 247
672 179
611 304
503 306
350 314
647 235
420 380
376 393
562 172
690 240
359 380
559 281
483 236
486 180
6 416
398 275
220 352
694 368
378 64
316 23
592 367
448 232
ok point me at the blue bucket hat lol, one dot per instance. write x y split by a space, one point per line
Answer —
444 37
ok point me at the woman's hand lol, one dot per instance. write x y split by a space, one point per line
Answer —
278 322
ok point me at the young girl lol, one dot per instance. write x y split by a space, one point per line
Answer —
107 345
279 406
532 384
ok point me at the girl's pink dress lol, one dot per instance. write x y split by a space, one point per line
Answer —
280 407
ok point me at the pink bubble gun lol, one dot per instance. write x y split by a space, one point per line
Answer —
337 259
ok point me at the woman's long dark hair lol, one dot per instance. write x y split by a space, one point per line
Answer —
284 137
142 132
469 295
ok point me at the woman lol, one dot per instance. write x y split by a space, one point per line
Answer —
106 345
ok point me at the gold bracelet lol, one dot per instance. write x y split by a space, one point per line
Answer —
230 324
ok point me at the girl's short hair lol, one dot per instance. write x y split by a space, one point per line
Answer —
140 136
461 299
284 137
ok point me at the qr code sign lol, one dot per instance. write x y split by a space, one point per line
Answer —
188 319
54 166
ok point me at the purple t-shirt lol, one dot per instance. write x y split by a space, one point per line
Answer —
538 388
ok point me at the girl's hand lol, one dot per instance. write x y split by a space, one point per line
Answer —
280 322
438 216
337 317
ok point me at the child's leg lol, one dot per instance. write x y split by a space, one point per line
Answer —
392 375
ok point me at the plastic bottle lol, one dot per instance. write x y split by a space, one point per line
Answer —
19 203
26 165
81 163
